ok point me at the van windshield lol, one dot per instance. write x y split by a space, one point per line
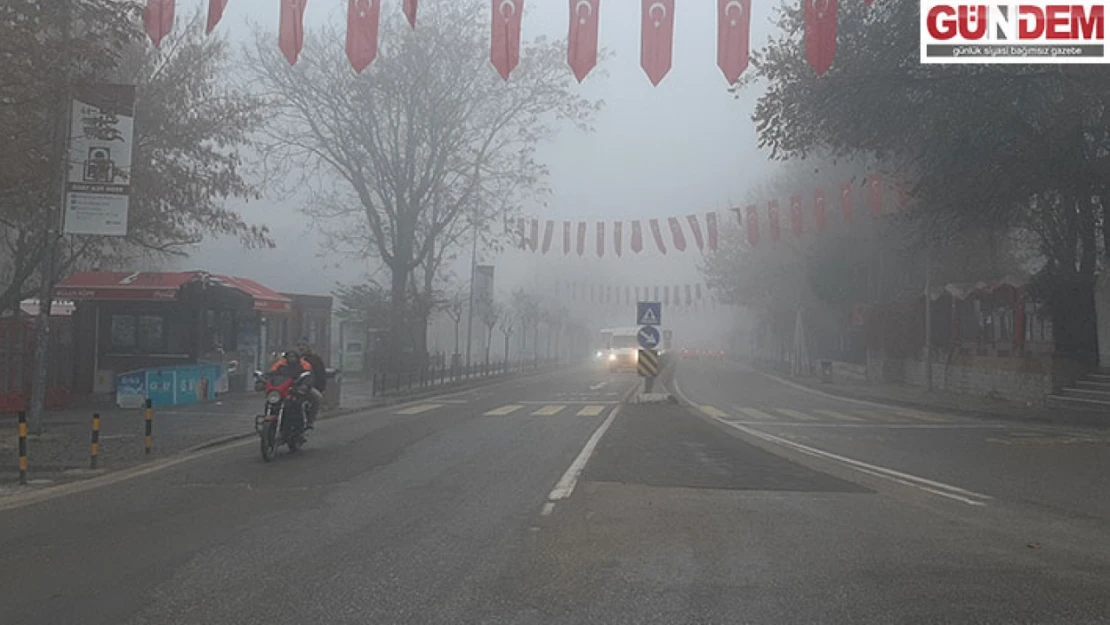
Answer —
623 342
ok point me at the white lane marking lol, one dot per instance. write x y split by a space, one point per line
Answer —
503 410
565 402
548 508
836 414
757 414
565 486
591 411
912 414
548 411
930 486
801 416
713 412
598 385
419 408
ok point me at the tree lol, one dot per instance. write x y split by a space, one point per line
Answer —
491 312
454 311
505 324
414 144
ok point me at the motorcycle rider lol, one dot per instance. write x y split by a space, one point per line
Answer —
293 365
319 375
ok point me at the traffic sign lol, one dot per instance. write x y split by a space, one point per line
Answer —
649 313
648 336
648 363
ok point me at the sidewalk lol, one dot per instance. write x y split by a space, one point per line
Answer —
61 453
915 397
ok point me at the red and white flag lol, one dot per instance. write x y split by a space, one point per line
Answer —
676 234
656 38
796 215
582 40
773 220
734 19
566 238
600 239
158 19
581 238
846 202
215 14
695 229
711 230
534 240
291 30
753 225
637 242
819 209
363 17
505 37
820 22
697 290
617 236
548 232
875 186
657 234
521 228
409 9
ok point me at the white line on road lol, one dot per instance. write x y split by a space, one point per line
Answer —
503 410
565 486
419 409
712 411
549 410
548 508
591 411
598 385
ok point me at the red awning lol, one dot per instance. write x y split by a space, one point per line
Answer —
115 285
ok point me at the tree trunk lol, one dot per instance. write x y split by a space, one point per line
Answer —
397 325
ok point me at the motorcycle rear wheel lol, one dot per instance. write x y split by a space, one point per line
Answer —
269 442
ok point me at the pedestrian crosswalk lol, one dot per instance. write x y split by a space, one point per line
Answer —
824 416
522 408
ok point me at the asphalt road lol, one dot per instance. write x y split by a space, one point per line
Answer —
543 500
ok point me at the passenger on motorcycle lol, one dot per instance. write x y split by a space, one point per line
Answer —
293 365
319 372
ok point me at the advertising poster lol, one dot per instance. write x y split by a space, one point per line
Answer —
98 184
160 386
131 389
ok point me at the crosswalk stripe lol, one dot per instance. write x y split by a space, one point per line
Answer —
801 416
548 411
910 414
837 415
591 411
713 412
757 414
504 410
419 408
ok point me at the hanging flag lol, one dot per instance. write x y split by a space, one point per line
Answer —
566 238
773 220
658 235
656 38
158 19
362 32
875 185
600 239
753 225
666 294
592 287
846 202
637 242
505 37
409 8
627 295
711 230
796 215
582 40
617 238
548 232
522 229
820 18
581 238
676 295
637 294
215 14
657 294
697 290
676 234
291 30
695 229
534 240
689 298
733 37
819 209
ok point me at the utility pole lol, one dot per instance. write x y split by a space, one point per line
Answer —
928 316
473 272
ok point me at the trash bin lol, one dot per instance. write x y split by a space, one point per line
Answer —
333 391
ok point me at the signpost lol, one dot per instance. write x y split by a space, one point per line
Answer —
648 315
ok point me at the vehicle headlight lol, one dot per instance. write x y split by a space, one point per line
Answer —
599 354
273 397
612 356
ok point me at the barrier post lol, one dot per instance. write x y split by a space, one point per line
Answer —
148 414
22 447
94 448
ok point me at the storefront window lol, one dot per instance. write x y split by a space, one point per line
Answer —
142 334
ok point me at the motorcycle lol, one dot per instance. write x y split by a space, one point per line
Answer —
283 421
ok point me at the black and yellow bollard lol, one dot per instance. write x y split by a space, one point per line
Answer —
94 449
149 416
22 447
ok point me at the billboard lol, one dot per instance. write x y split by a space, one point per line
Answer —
483 290
98 180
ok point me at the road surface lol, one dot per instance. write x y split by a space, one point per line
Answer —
545 500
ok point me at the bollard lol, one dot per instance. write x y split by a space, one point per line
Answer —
149 417
94 449
22 447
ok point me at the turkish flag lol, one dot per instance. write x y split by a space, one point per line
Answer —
637 242
291 31
846 201
582 40
689 298
676 234
534 240
409 8
711 230
617 238
658 235
657 294
666 294
566 238
773 220
819 209
600 239
158 19
548 232
734 18
695 229
656 38
820 18
521 227
796 215
215 14
362 32
505 39
875 186
753 225
697 290
581 238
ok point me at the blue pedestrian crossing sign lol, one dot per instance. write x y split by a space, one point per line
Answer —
648 336
649 313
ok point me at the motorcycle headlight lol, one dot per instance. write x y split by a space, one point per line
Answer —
612 356
273 397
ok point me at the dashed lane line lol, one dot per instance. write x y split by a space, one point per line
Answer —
591 411
548 411
504 410
419 408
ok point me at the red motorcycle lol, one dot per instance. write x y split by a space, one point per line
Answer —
284 417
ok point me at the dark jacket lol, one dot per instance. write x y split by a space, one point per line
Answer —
319 371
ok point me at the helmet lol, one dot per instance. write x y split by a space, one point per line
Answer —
291 356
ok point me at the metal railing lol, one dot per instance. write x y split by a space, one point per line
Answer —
431 376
